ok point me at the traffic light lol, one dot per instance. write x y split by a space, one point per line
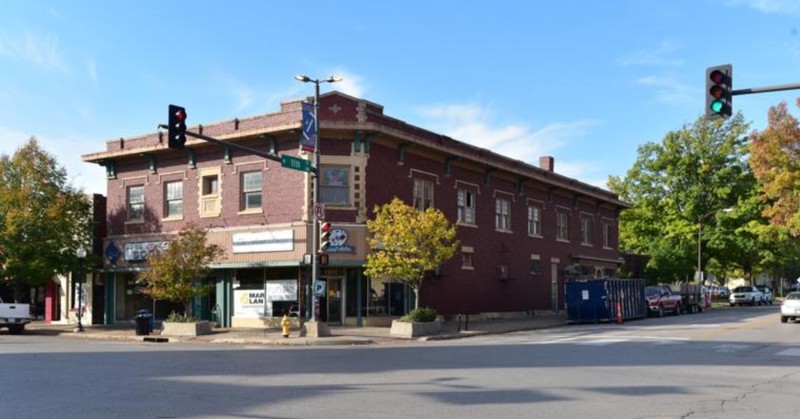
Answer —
176 131
324 236
719 89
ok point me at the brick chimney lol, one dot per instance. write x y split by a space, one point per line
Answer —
547 163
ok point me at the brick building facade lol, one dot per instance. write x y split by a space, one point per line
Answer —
523 230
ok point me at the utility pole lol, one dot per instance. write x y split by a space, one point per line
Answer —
314 328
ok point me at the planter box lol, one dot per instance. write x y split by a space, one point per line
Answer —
186 329
412 330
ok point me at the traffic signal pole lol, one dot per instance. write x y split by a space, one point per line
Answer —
766 89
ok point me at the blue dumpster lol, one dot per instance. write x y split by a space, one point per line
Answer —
597 300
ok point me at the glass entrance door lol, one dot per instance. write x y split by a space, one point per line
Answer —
334 303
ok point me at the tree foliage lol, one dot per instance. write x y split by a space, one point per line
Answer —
43 219
406 243
683 182
775 160
175 272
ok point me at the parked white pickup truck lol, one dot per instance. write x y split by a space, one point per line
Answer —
14 316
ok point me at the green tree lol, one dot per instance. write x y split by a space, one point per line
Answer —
775 160
406 243
684 182
175 272
43 219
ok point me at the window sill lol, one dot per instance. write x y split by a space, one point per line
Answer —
503 231
133 222
587 245
562 240
535 236
468 268
463 224
344 207
251 211
173 218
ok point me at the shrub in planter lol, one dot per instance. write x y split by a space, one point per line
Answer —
420 315
176 317
418 322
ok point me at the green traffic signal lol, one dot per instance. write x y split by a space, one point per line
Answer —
719 91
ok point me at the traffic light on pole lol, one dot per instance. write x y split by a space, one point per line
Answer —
324 236
176 130
719 91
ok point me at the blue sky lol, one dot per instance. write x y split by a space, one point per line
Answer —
584 81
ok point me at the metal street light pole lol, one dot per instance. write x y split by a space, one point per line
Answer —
700 220
81 254
315 192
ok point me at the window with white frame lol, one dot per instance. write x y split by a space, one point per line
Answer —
466 257
423 194
251 190
136 203
502 214
210 202
173 199
607 231
534 220
334 185
586 229
466 206
562 225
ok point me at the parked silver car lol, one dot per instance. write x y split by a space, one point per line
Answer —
746 294
767 293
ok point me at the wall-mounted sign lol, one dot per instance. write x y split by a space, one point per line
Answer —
338 241
137 252
262 302
264 241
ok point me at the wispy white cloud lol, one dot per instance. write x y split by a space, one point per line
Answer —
67 149
785 7
351 84
660 56
39 50
474 125
586 172
669 90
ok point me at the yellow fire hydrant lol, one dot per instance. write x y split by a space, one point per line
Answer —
285 325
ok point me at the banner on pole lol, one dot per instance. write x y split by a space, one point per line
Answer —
309 142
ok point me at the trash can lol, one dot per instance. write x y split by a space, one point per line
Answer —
144 323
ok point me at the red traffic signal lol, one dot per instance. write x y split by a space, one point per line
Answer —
324 236
176 130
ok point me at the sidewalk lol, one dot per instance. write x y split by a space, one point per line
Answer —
340 335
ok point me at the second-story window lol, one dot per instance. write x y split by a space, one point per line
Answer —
502 214
466 206
210 202
534 220
136 203
586 229
607 231
173 199
423 194
562 225
251 190
334 186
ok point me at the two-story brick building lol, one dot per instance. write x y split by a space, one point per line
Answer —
523 230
